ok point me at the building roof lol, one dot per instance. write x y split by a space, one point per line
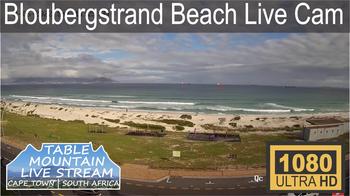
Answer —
323 121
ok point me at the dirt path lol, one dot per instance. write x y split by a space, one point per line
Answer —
143 172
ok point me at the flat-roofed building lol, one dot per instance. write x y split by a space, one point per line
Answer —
324 128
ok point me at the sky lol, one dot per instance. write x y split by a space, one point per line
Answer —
302 59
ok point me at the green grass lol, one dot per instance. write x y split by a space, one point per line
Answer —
153 151
176 122
145 126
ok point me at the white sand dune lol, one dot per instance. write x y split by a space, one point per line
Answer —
98 115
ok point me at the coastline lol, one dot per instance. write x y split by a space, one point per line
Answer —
200 121
149 158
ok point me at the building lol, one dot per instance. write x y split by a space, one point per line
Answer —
324 128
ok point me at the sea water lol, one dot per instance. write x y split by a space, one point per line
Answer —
186 97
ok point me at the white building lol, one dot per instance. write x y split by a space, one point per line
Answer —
324 128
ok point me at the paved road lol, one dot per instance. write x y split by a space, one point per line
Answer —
168 186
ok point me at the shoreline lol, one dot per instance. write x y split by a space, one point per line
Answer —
201 122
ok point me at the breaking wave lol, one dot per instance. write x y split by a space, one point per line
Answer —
33 98
156 102
227 109
290 108
160 105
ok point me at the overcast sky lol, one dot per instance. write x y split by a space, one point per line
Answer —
265 59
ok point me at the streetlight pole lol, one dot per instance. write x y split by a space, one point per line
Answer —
2 122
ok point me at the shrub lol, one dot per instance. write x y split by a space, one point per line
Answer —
294 117
222 120
33 115
179 128
112 120
177 122
233 124
77 121
237 118
186 116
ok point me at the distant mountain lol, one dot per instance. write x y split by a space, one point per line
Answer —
59 80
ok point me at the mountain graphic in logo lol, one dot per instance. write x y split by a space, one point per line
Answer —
63 166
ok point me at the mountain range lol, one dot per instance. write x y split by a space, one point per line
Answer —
57 80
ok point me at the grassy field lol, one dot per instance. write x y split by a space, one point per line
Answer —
153 151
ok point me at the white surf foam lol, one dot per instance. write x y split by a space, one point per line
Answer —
158 105
121 106
156 102
290 108
119 96
227 109
59 99
28 97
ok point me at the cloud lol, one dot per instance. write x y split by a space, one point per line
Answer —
268 59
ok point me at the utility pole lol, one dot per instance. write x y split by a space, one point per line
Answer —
2 122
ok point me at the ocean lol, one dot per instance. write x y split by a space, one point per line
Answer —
232 99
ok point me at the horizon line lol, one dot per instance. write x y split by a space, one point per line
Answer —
174 83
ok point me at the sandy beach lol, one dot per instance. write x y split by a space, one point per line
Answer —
118 117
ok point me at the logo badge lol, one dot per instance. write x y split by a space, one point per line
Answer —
305 167
63 166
